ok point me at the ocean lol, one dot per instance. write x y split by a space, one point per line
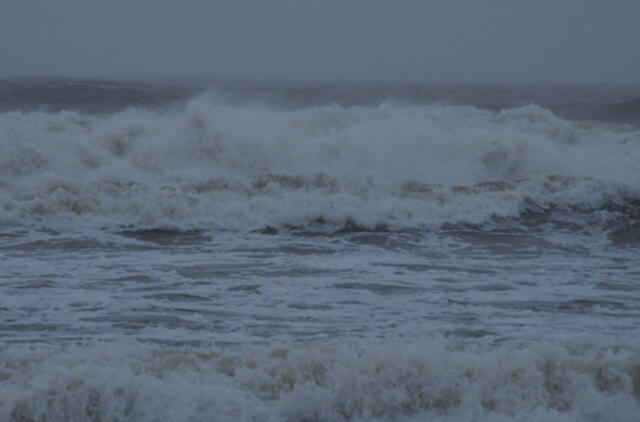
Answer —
258 251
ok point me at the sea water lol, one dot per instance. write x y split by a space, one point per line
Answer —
214 251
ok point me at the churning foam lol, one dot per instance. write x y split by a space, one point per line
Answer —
431 380
215 165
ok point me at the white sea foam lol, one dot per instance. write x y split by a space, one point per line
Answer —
419 380
218 165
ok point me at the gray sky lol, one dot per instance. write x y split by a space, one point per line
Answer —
476 40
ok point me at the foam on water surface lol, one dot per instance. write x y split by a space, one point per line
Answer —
405 380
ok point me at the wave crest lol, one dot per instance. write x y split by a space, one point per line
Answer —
218 165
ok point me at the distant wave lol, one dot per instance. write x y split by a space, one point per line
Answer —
216 165
88 96
410 381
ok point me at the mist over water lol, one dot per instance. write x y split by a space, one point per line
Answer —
262 251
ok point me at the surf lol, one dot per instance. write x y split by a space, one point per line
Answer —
213 164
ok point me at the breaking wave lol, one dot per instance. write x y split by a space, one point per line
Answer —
436 380
211 164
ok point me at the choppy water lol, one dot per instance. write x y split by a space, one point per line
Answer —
319 252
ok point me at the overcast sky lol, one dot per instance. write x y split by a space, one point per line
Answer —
476 40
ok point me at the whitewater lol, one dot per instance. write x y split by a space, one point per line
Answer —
182 252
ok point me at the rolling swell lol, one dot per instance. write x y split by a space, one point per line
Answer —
92 97
217 165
